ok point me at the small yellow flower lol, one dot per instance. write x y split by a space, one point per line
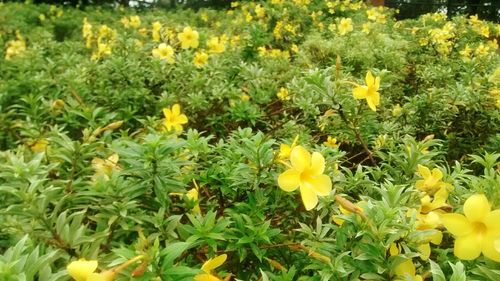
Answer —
345 26
173 118
39 145
104 167
283 94
188 38
80 270
286 149
432 180
155 31
306 172
215 45
208 268
200 59
245 97
331 142
192 194
475 232
135 21
164 52
369 92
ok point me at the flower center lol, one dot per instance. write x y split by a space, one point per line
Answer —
479 228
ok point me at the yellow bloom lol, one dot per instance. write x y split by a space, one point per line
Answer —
104 167
306 172
173 118
15 48
283 94
200 59
155 32
406 271
260 11
345 26
475 232
135 21
192 194
432 180
126 22
286 149
208 267
80 270
369 92
39 145
215 45
188 38
165 52
331 142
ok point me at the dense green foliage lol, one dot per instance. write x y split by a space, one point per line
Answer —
89 167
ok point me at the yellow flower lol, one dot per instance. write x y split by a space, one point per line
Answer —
260 11
215 45
165 52
39 145
475 232
135 21
188 38
104 167
345 26
286 149
15 48
200 59
283 94
208 267
192 194
331 142
173 118
432 180
126 22
369 92
406 271
80 270
306 172
155 32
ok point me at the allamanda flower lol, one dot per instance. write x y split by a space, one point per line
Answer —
369 92
173 118
306 172
200 59
188 38
164 52
476 232
432 180
208 267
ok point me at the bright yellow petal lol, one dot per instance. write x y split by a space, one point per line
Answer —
456 224
373 101
440 197
114 158
369 78
309 198
182 119
436 238
405 268
476 207
338 220
437 174
492 221
103 276
466 247
424 171
360 92
81 269
490 249
317 163
300 158
289 180
176 109
425 251
393 250
206 277
321 185
213 263
167 113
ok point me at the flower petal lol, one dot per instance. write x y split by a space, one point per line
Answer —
289 180
405 268
300 158
81 269
456 224
321 185
373 100
476 207
360 92
466 247
491 221
206 277
437 174
425 251
490 247
176 109
213 263
182 119
369 79
309 197
424 171
317 163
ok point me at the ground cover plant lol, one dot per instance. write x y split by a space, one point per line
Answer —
280 140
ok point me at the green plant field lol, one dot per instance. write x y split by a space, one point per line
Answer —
280 140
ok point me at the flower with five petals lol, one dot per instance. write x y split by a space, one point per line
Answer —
306 173
369 92
173 118
476 231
